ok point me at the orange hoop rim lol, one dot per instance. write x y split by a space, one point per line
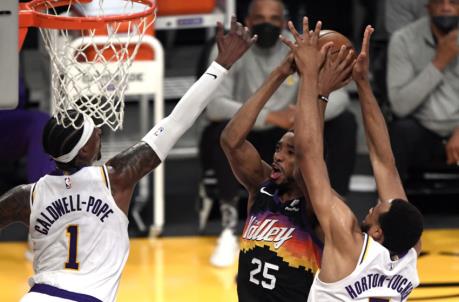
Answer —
29 15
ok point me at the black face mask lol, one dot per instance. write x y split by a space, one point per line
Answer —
268 34
446 23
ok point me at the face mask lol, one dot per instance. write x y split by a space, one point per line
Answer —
268 34
446 23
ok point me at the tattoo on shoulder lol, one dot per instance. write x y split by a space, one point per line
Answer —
135 162
15 205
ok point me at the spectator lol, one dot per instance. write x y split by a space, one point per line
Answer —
266 19
21 137
423 84
401 12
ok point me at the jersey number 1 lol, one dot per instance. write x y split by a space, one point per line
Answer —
72 234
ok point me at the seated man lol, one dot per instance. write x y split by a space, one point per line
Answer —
423 83
400 13
266 19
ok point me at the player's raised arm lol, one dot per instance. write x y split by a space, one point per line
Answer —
15 206
309 125
382 159
126 168
245 161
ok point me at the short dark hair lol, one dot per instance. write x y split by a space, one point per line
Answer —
252 4
402 226
59 140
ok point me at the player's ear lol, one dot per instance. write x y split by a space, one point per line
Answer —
377 233
85 151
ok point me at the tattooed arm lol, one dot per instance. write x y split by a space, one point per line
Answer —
15 206
127 168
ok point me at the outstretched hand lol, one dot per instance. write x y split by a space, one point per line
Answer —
361 68
234 44
308 58
336 70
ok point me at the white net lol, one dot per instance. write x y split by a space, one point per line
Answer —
89 67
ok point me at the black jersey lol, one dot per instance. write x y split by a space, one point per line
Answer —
279 251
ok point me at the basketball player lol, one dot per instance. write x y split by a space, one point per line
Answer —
280 250
77 215
378 264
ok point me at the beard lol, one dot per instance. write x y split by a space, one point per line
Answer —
286 185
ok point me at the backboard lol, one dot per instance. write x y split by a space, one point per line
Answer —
9 58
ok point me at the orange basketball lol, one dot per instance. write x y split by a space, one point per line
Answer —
338 40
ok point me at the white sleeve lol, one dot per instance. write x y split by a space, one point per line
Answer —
165 134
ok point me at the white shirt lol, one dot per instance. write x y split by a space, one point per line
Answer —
375 276
79 235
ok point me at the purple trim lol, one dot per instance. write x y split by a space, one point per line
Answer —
61 293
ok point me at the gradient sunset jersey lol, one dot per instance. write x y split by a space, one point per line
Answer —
279 251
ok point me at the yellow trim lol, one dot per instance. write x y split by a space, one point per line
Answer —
33 194
104 177
379 298
367 247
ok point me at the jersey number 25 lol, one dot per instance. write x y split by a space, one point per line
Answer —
269 280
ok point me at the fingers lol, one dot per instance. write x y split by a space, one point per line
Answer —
246 36
317 30
293 30
366 38
348 69
236 27
287 42
220 30
349 58
233 24
246 33
326 48
325 52
305 25
341 54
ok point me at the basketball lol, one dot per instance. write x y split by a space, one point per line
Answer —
338 40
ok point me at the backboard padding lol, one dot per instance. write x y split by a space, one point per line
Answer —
9 56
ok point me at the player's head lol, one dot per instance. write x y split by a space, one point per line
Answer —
266 18
396 224
72 147
444 14
284 162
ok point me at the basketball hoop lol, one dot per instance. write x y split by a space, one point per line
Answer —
91 44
